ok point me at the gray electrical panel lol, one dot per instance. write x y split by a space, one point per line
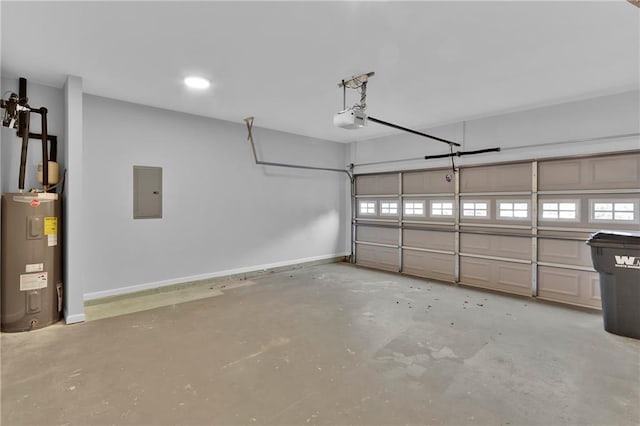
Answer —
147 192
31 278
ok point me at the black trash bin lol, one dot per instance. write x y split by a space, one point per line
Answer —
616 256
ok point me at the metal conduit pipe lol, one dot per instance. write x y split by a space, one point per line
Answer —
568 141
249 123
571 141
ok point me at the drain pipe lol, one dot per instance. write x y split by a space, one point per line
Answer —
249 123
24 124
45 152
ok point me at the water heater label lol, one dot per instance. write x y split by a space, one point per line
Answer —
52 240
51 226
34 267
33 281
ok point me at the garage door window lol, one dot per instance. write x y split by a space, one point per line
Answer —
561 210
414 208
367 207
389 208
478 209
513 210
623 211
441 208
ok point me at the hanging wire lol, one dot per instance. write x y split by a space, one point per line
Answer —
359 84
363 96
449 177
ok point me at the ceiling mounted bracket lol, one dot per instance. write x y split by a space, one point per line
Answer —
356 81
355 117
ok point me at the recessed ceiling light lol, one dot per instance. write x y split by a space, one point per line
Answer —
197 82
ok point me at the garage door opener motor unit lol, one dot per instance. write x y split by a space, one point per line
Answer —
31 277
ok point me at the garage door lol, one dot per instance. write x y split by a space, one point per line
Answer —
377 216
576 198
496 227
518 228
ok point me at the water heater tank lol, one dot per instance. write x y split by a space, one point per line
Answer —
31 285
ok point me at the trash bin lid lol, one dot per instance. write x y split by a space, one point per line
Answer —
620 239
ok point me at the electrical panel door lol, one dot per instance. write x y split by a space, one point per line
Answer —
147 192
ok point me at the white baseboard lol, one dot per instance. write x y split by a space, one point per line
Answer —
75 318
218 274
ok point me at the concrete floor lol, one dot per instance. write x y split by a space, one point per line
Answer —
328 344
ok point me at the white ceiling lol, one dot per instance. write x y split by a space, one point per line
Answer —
435 62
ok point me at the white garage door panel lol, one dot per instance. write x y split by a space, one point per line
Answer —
373 234
610 172
427 182
508 177
496 245
564 252
570 286
377 257
429 265
617 172
377 184
557 175
435 240
496 275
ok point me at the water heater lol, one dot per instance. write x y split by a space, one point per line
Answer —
31 294
31 263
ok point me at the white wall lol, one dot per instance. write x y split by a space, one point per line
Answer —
39 96
222 213
74 218
535 133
